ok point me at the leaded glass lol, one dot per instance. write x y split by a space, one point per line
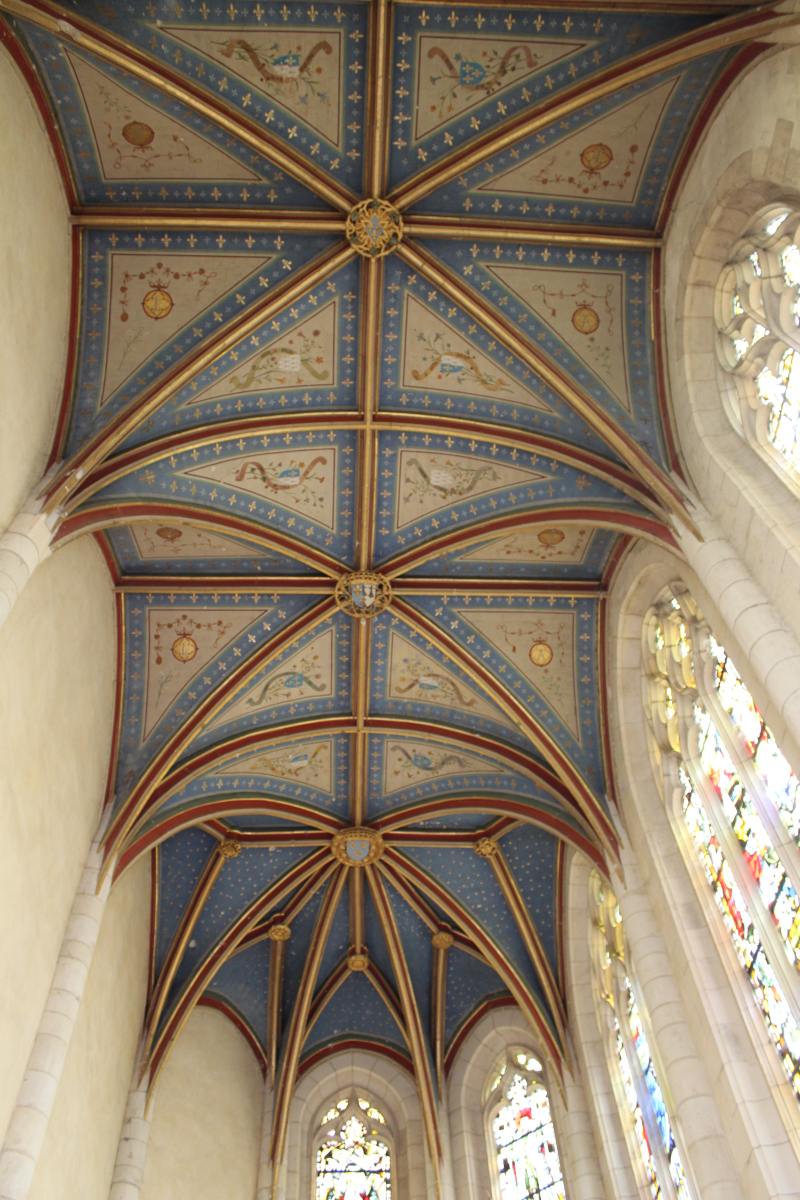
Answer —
763 861
649 1119
657 1104
758 316
635 1108
734 777
771 766
781 1025
526 1154
353 1161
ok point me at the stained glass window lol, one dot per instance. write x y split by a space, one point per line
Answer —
353 1157
739 800
758 319
648 1118
524 1140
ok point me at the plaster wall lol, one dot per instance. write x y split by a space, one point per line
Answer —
206 1127
749 157
34 291
80 1147
57 665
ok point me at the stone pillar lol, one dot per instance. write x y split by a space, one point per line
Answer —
25 544
28 1124
771 652
682 1073
264 1184
128 1177
577 1146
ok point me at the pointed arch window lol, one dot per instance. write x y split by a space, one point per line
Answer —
353 1155
738 799
758 343
523 1148
641 1096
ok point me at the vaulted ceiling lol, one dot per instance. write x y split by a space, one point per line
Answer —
357 793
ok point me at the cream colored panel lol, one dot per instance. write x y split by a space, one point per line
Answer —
34 292
80 1148
56 702
205 1134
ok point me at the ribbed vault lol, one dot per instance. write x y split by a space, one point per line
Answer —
365 404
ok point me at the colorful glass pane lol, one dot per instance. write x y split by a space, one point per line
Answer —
657 1104
782 784
527 1156
763 861
353 1164
781 1025
637 1119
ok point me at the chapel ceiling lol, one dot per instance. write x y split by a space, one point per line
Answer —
358 792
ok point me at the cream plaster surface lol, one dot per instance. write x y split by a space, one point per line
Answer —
205 1133
748 157
77 1158
57 663
34 291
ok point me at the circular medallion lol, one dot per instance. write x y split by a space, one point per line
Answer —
229 848
157 304
585 319
486 848
137 134
363 594
184 648
597 156
358 962
374 228
541 654
279 933
357 846
168 533
550 537
442 939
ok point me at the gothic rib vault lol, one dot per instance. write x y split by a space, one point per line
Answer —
365 406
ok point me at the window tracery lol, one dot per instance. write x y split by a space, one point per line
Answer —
353 1155
523 1141
738 798
758 323
648 1117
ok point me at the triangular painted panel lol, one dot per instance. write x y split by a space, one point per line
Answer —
135 140
406 763
301 69
310 763
432 481
305 356
306 674
436 357
584 309
181 644
417 677
301 481
154 296
541 646
551 544
155 541
604 159
457 74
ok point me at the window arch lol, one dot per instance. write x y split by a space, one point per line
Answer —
523 1150
738 799
353 1152
642 1098
758 344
